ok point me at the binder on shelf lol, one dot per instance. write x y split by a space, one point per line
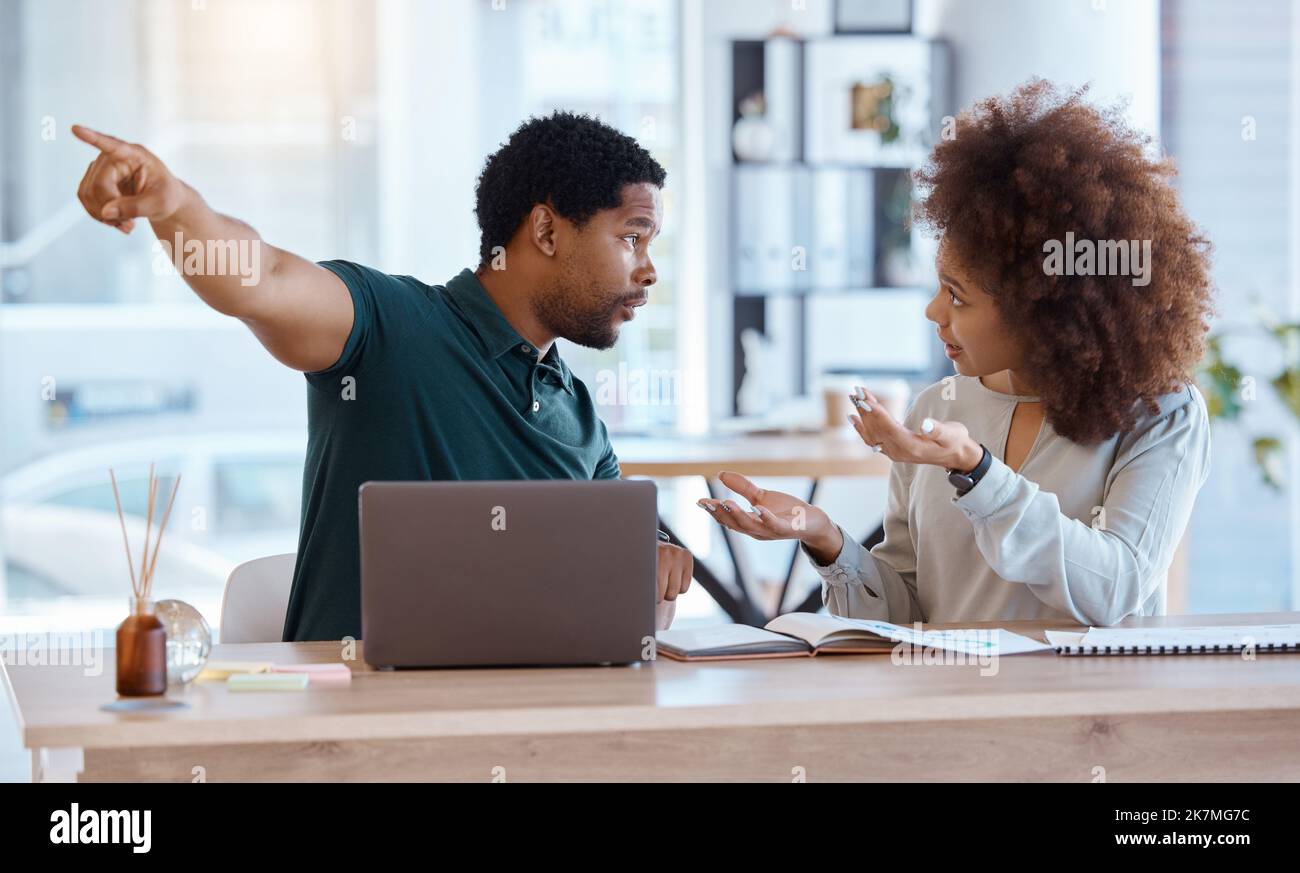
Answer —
772 233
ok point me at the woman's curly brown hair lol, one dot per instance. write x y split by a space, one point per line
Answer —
1030 167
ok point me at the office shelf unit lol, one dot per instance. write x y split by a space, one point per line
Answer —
823 262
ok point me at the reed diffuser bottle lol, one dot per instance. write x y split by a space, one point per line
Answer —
141 652
141 638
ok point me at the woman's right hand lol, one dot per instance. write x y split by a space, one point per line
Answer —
777 516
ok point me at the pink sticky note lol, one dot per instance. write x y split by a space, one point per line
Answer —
319 674
330 678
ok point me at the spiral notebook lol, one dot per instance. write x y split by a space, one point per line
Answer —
1209 640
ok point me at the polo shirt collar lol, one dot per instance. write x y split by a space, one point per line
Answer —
493 330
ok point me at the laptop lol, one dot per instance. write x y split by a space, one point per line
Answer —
461 574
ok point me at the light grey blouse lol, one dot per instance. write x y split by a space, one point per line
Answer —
1081 533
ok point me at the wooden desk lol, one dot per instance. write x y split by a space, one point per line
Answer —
804 455
841 717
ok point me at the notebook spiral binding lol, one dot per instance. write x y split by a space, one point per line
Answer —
1263 648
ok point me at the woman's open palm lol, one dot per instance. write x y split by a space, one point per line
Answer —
776 515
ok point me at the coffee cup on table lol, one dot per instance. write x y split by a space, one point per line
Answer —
893 394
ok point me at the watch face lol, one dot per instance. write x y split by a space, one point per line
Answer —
961 481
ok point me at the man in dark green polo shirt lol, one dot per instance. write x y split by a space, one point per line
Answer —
408 381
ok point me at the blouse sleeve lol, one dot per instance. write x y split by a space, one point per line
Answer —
1102 571
879 583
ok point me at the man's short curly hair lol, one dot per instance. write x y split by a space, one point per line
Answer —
1029 167
575 163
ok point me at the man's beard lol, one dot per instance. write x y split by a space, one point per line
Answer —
560 310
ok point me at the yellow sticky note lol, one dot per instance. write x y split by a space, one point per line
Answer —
219 671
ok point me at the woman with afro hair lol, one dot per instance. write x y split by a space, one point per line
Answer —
1052 476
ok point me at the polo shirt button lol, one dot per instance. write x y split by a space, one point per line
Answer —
536 406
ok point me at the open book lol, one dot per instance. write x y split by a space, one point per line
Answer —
803 634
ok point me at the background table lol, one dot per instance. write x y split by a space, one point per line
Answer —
811 456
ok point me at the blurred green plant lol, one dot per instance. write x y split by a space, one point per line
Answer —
1227 390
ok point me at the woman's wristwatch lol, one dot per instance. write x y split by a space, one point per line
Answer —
964 482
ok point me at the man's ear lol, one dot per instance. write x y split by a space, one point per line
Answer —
541 228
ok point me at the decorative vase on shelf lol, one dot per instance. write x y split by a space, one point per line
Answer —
752 136
141 652
752 139
754 394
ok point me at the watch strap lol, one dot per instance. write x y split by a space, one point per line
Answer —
964 482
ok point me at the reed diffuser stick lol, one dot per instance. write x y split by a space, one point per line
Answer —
121 518
162 526
148 528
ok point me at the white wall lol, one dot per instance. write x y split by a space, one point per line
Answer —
430 156
997 44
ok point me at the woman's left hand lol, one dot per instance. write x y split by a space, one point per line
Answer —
942 443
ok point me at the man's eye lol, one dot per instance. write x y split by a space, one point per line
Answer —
633 237
953 298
